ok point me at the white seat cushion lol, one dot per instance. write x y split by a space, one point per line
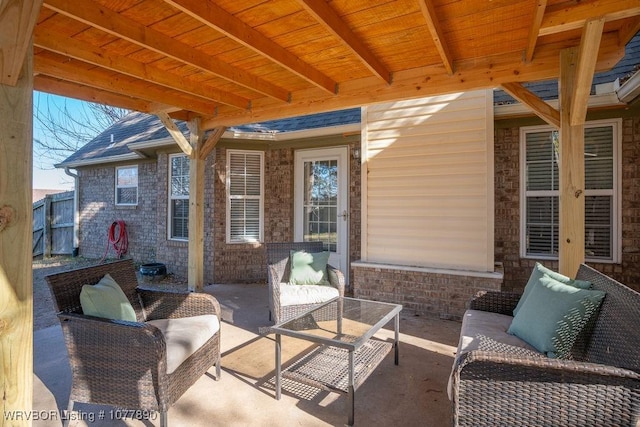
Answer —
184 336
484 330
306 294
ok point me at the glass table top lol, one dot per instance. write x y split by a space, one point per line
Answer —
341 322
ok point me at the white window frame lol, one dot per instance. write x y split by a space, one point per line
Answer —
229 197
171 197
616 245
117 187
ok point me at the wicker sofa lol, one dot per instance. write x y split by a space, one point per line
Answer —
597 385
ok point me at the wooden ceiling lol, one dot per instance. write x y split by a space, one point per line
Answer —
242 61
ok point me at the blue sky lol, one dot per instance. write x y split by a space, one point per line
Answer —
45 176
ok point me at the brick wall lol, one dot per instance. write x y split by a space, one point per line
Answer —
507 202
421 291
98 212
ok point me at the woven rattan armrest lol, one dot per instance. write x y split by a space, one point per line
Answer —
495 302
542 391
336 279
172 305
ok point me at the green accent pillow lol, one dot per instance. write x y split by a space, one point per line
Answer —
539 271
309 268
106 299
553 315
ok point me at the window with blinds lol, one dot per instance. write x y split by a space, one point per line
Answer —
127 185
541 191
178 197
244 196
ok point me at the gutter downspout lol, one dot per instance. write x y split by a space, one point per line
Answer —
76 212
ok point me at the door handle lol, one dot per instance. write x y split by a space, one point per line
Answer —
344 215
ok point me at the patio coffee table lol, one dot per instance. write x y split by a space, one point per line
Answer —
347 353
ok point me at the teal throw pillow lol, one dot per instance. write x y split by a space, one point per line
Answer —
539 271
309 268
106 299
553 315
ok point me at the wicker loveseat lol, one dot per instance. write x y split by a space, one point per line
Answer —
597 385
145 364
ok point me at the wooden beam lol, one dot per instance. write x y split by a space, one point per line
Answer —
105 19
219 19
420 82
85 93
109 60
572 182
534 30
587 55
328 17
77 71
196 209
16 275
17 19
576 14
175 133
212 141
437 34
537 105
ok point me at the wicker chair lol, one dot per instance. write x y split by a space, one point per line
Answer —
124 364
598 386
278 267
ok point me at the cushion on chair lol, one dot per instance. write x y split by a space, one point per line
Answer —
309 294
539 271
106 299
184 336
309 268
553 315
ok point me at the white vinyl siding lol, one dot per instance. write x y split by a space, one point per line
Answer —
127 185
245 176
428 181
178 197
540 178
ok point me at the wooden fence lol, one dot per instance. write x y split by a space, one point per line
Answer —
53 225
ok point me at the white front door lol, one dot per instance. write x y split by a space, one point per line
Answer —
321 202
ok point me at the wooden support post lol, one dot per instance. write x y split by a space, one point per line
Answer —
16 279
196 209
572 183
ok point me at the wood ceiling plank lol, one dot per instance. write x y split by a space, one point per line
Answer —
629 28
472 74
102 58
537 105
17 20
574 16
326 16
535 30
218 19
113 23
433 22
590 43
79 72
85 93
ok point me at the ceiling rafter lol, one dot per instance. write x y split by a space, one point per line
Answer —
102 79
100 17
220 20
109 60
328 17
52 85
437 34
575 16
535 30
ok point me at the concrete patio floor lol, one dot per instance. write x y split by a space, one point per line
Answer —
411 394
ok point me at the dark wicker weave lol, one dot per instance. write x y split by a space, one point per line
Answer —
599 386
123 364
278 267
